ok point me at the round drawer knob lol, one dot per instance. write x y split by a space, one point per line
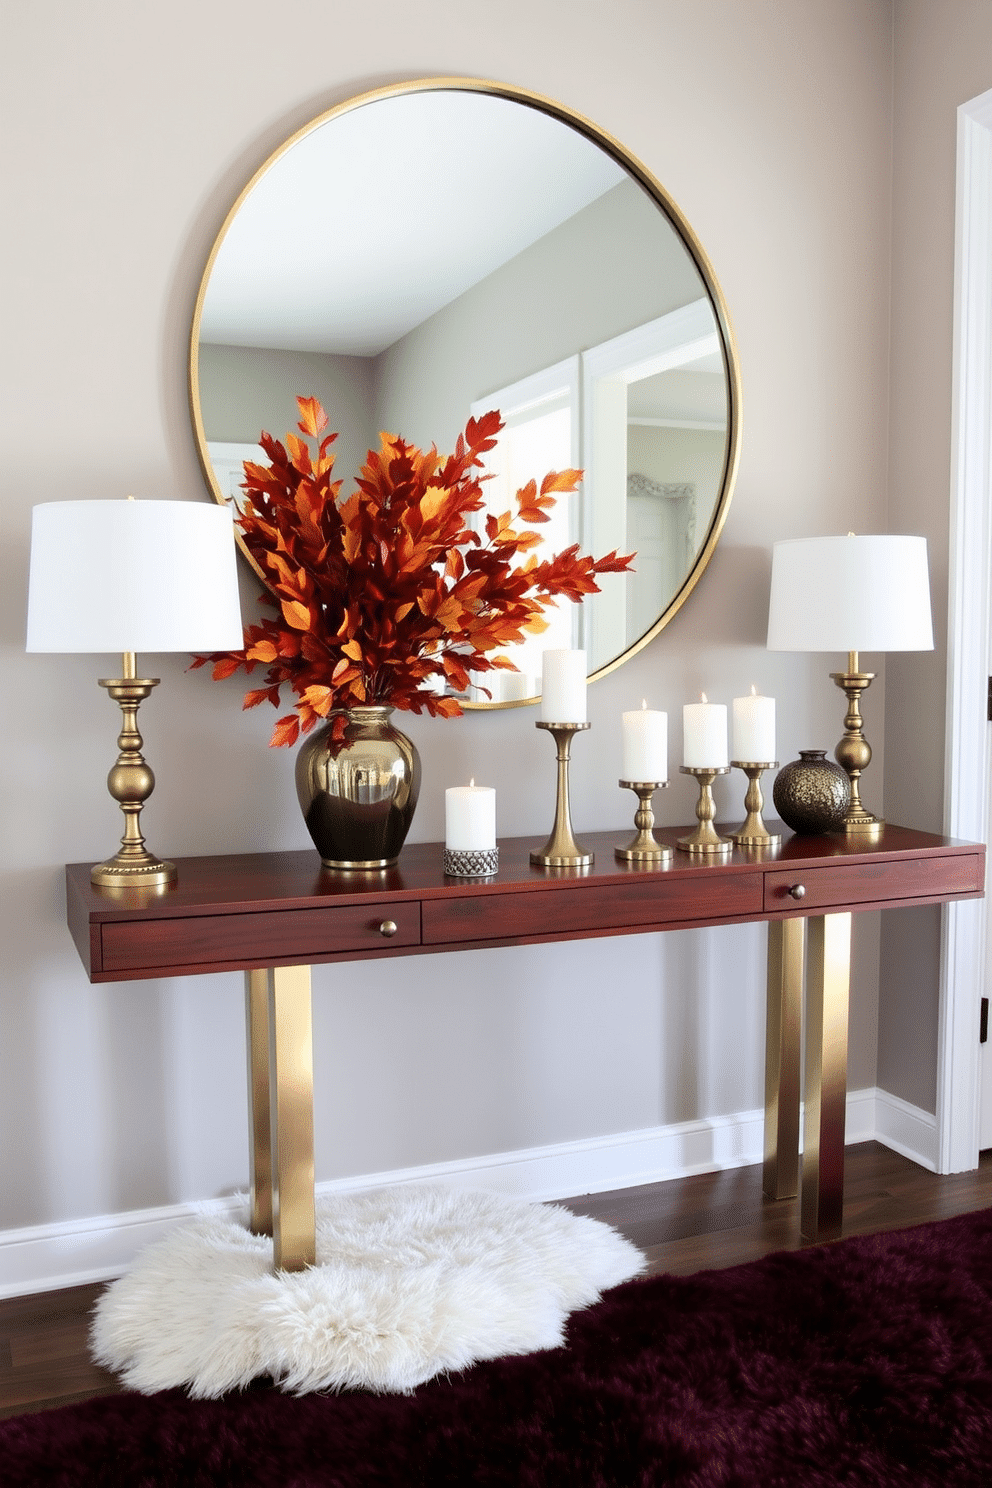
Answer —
390 927
798 891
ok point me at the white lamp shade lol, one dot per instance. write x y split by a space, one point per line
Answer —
133 576
850 594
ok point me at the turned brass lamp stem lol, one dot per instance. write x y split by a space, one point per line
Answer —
853 752
131 782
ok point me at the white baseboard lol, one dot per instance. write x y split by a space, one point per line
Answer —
906 1129
46 1257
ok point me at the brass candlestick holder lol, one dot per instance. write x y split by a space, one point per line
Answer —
561 849
645 847
705 840
754 833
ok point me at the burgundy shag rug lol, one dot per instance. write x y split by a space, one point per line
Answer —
868 1362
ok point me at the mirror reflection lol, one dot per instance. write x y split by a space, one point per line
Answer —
438 251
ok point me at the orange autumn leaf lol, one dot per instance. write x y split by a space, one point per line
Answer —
320 699
295 614
313 419
264 650
536 625
300 453
560 480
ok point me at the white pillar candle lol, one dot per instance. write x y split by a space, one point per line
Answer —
470 818
753 731
512 687
645 745
563 687
704 735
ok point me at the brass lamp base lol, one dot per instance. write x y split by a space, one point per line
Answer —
853 753
120 872
131 782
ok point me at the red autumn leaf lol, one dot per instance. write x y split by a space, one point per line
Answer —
286 731
614 563
480 433
261 695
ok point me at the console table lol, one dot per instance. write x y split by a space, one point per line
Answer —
274 915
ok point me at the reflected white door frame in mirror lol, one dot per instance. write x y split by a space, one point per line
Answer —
463 236
541 431
673 434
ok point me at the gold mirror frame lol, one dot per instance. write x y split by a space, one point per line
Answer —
636 171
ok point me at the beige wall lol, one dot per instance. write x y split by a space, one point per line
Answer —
942 58
770 123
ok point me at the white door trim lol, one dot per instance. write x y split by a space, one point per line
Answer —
966 762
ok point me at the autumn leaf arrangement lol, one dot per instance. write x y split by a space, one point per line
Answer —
390 593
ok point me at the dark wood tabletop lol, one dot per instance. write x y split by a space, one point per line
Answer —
245 910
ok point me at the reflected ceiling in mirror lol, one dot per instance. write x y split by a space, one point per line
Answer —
449 246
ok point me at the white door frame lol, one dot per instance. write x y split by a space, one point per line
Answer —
966 759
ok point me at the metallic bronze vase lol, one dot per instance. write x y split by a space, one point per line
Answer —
812 794
358 794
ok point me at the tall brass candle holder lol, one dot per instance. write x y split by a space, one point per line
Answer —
705 840
561 849
754 833
645 847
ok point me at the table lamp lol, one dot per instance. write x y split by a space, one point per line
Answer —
130 576
851 594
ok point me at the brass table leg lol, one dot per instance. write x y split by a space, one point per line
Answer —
280 1074
291 1104
827 991
259 1120
786 945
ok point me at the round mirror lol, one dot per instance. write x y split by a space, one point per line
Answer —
440 248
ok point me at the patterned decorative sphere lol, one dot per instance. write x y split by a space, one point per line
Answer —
812 794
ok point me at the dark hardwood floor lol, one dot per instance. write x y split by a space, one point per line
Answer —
690 1224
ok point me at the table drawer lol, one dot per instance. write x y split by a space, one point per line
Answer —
851 884
572 909
268 936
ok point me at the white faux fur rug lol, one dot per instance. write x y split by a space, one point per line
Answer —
409 1283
